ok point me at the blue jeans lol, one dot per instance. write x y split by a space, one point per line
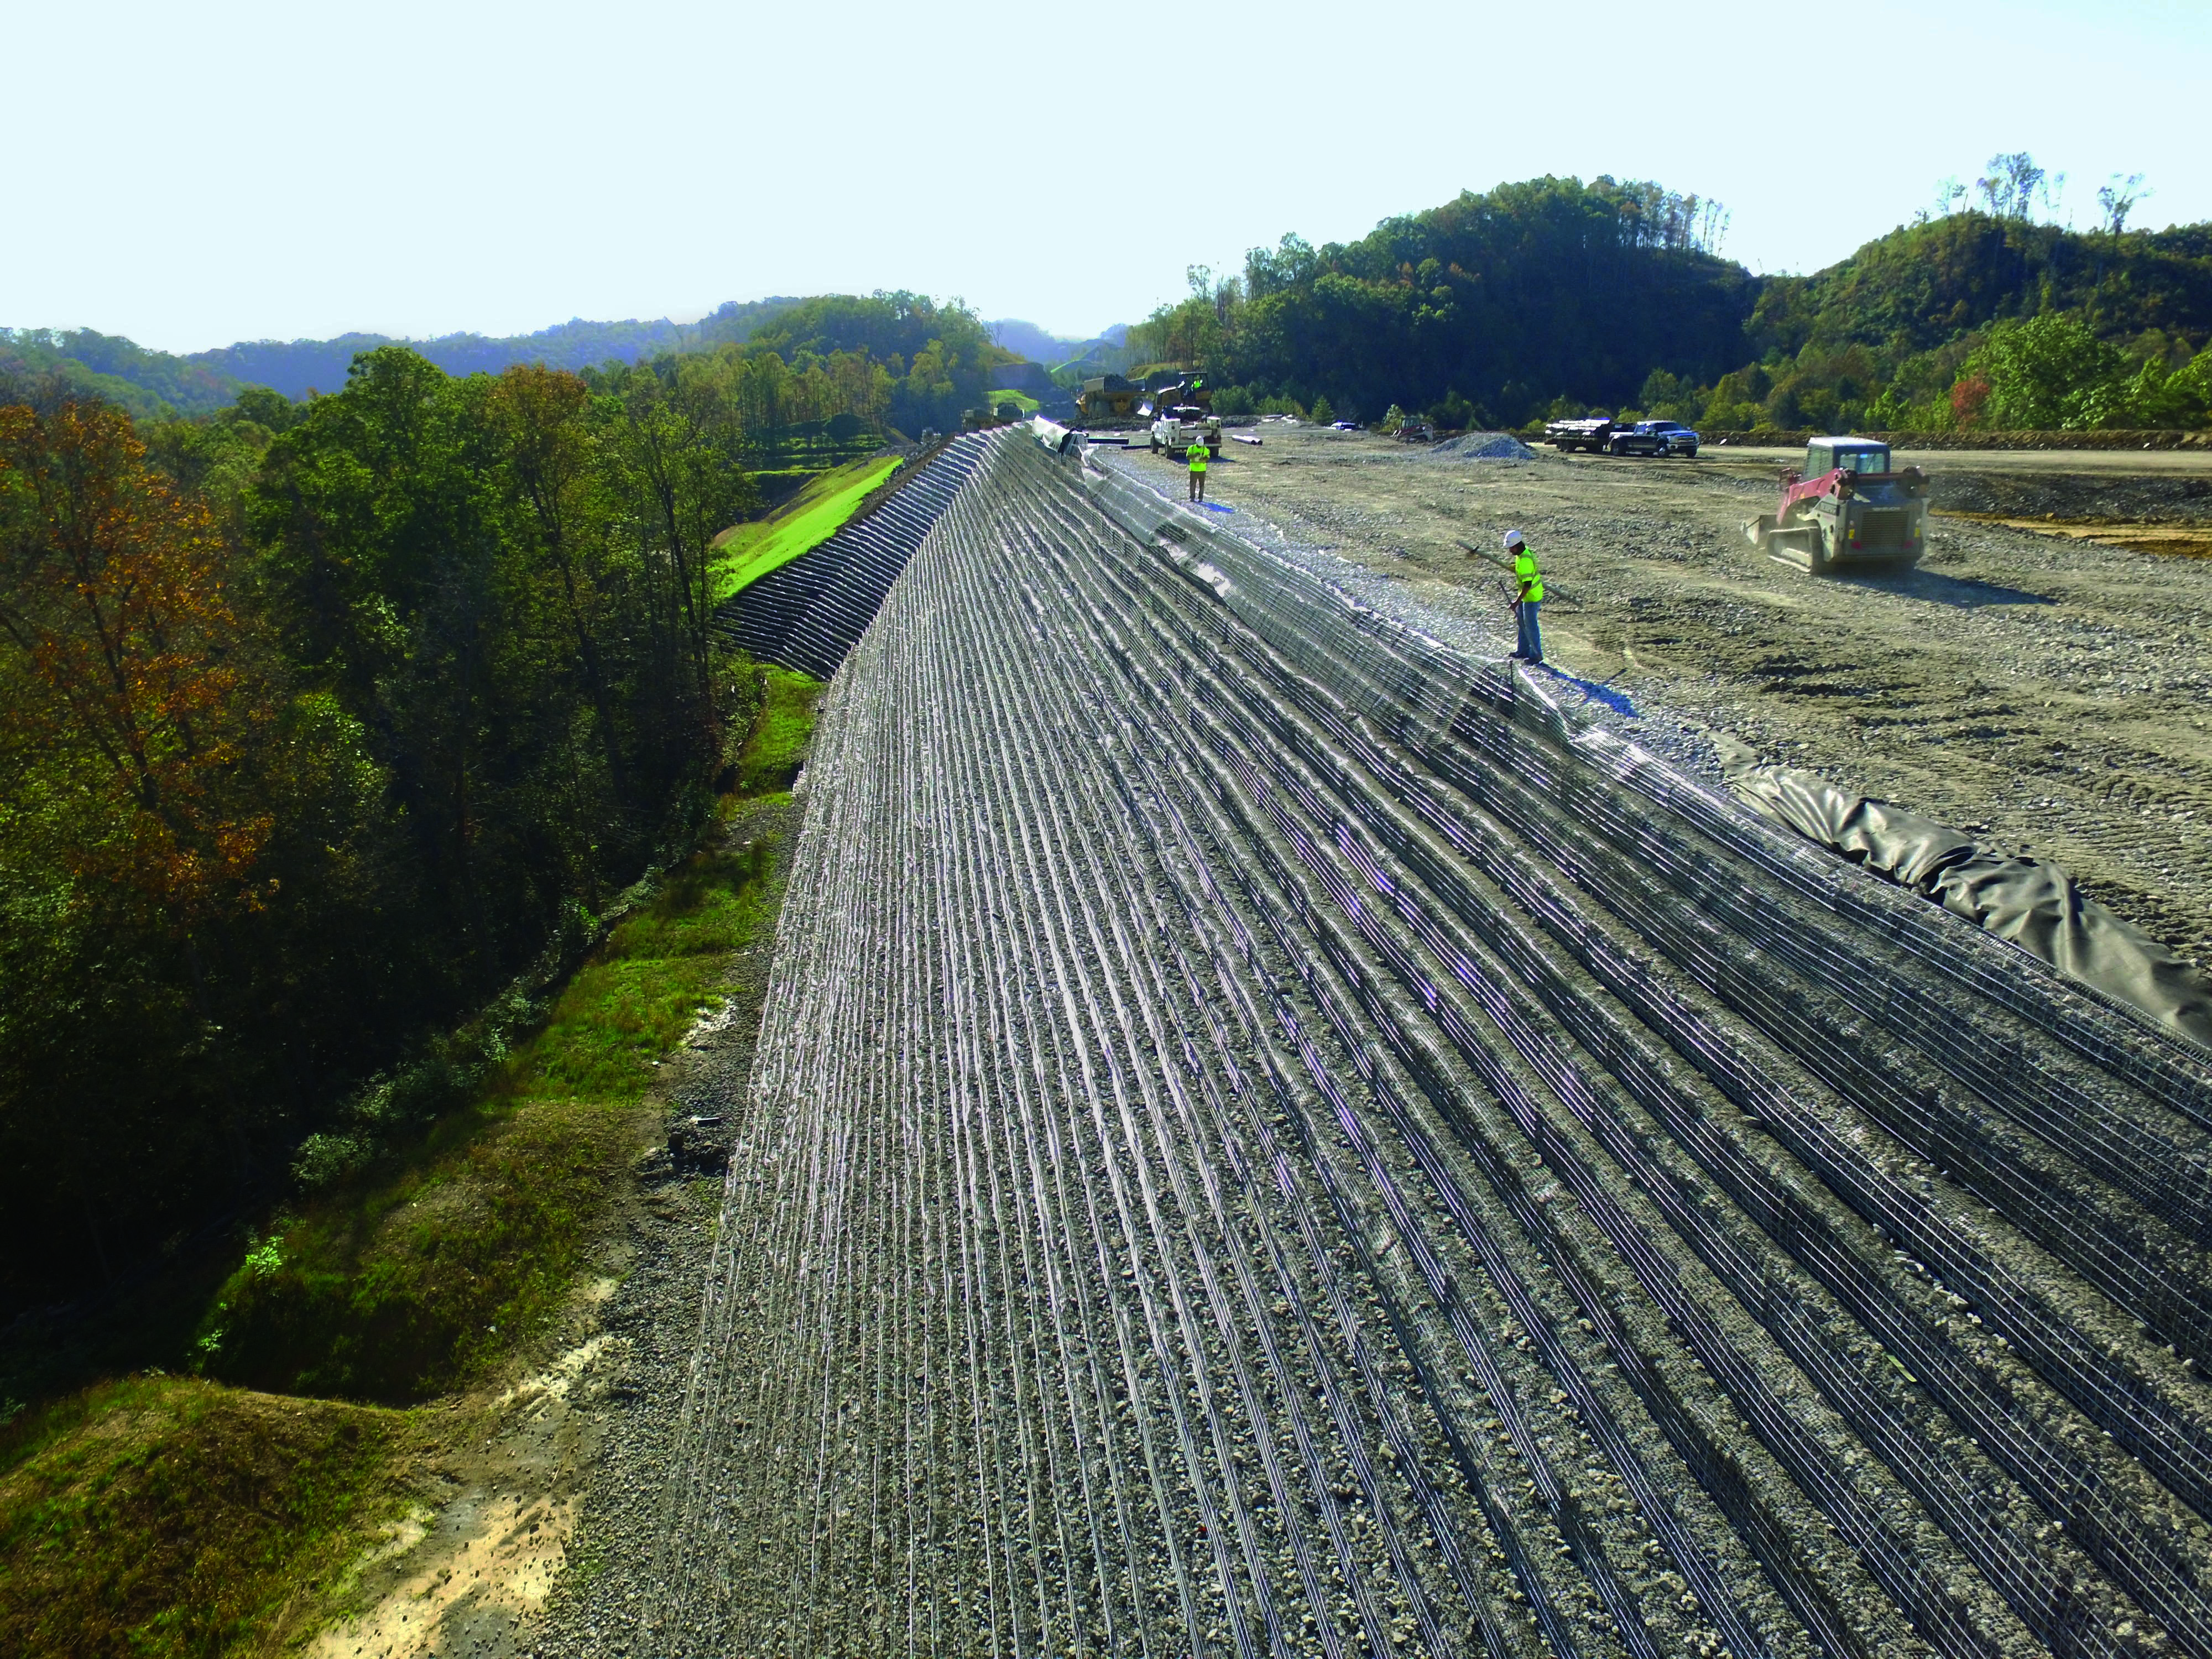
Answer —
1532 636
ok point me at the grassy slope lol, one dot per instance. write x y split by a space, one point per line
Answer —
418 1283
173 1516
1007 395
770 758
807 520
162 1516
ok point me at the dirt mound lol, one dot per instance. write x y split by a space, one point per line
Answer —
2152 499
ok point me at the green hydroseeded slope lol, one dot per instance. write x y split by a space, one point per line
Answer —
814 515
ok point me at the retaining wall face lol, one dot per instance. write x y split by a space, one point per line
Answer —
1268 1138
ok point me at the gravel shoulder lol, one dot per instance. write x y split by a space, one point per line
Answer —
652 1317
2047 692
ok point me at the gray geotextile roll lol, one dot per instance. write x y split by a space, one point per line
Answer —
2037 906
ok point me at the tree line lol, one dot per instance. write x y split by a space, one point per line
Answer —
1483 309
321 721
1554 297
943 350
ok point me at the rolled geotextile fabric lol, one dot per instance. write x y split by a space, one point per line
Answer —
2037 906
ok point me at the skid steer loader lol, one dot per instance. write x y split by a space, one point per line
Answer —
1846 508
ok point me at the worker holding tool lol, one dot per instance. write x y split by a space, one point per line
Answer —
1528 593
1198 468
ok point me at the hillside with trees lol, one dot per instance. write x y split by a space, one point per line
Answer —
1555 296
325 726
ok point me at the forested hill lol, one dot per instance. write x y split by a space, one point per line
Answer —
155 383
1554 295
1922 285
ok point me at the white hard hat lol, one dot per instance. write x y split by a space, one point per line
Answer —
1513 538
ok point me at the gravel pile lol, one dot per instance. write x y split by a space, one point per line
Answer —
1270 1136
1480 447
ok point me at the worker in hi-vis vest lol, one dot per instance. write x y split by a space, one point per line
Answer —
1198 468
1528 594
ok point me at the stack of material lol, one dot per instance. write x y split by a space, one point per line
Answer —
1269 1140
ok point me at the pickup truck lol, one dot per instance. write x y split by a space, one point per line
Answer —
1653 438
1602 434
1178 428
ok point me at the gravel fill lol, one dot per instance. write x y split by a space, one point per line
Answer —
2048 695
652 1319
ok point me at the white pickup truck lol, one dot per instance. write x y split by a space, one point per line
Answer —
1177 429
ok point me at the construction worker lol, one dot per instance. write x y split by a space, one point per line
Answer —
1528 593
1198 468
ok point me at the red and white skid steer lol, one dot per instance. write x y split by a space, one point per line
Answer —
1846 508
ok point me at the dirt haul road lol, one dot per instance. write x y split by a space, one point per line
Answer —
1267 1137
2046 693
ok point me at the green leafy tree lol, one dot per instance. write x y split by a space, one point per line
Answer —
2047 372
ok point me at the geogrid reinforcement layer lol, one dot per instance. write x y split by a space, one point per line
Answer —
1268 1139
806 614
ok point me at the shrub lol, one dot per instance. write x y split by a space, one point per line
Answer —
401 1287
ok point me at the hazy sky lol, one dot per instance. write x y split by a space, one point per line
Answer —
190 174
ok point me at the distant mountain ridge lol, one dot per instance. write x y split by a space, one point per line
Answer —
1053 349
155 383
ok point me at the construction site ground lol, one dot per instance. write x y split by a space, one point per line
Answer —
2040 679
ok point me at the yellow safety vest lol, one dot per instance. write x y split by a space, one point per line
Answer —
1198 454
1525 571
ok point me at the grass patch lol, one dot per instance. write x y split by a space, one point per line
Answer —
809 519
162 1516
418 1284
1029 405
771 759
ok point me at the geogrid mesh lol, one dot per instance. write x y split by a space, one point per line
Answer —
1269 1138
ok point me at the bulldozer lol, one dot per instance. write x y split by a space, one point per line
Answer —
1844 508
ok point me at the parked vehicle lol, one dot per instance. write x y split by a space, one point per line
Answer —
1166 391
1654 438
1846 507
1344 426
1177 429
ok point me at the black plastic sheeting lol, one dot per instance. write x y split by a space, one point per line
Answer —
2035 905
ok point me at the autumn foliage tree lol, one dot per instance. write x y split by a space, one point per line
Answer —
131 657
318 725
136 719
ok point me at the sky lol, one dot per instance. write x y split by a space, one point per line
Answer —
190 174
